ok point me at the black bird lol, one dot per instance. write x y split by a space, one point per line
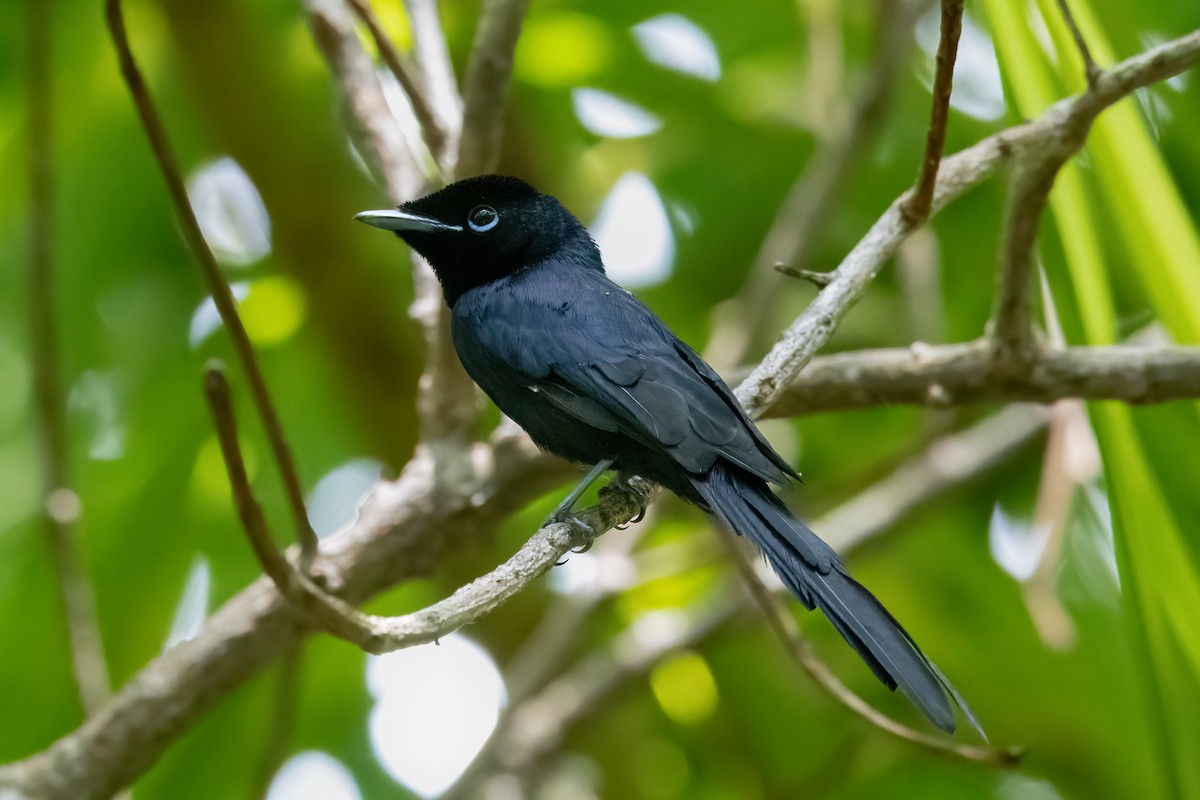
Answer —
594 376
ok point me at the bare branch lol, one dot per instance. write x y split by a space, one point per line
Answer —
436 134
950 461
1090 71
1051 138
960 374
916 211
1033 176
376 133
219 290
486 85
801 650
433 58
60 504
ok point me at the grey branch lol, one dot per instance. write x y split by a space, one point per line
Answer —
1052 137
960 374
415 86
486 85
1033 175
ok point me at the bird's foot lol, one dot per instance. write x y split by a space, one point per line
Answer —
567 516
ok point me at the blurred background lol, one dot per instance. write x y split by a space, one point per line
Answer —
677 131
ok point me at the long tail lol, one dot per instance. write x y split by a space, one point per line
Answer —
813 572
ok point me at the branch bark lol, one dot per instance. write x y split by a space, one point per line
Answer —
916 211
960 374
485 88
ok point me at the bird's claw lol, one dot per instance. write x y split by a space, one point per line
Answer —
641 515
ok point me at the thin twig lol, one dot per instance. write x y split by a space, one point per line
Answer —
221 294
60 503
1090 71
486 86
916 211
801 651
436 135
330 613
818 279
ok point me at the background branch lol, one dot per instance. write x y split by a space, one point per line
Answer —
485 87
813 199
781 621
60 504
916 211
414 85
220 292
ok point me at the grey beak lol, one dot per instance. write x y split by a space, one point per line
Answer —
393 220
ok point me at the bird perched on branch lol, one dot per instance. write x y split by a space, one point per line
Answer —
593 375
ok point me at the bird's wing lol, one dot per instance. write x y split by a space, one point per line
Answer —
607 360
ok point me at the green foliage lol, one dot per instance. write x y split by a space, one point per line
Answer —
1105 718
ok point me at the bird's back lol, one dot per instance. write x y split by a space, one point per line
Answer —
592 373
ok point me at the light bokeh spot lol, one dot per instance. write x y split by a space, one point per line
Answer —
313 775
435 707
273 310
334 500
634 234
206 319
230 211
561 49
1016 545
675 42
978 91
610 116
685 688
193 606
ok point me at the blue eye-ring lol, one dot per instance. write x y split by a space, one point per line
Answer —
482 219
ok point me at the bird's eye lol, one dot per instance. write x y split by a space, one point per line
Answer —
483 219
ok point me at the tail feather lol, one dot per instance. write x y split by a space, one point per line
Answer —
812 571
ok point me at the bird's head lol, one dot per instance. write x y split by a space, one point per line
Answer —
481 229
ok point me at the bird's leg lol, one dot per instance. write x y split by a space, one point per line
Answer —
562 513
